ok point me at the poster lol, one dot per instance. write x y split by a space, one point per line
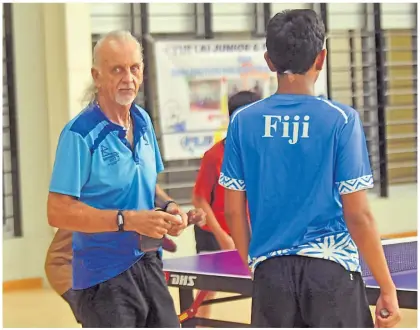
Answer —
194 81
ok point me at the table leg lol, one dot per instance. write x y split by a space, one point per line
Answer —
186 298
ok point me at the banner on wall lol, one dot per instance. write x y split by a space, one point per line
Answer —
194 82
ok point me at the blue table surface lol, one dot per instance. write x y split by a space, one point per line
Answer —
229 264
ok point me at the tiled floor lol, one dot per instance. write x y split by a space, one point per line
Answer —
45 309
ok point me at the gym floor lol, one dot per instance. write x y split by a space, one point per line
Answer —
43 308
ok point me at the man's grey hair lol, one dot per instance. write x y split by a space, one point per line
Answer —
119 35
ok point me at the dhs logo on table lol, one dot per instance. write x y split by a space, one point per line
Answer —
191 143
183 280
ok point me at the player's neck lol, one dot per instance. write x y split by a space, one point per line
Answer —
115 112
296 84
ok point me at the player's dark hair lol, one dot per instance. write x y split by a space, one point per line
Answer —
294 39
240 99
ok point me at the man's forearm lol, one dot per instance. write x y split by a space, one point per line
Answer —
211 221
66 212
236 218
161 198
239 230
366 236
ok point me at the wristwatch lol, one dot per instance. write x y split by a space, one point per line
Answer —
167 204
120 220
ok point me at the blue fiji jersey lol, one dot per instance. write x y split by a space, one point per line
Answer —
295 155
95 164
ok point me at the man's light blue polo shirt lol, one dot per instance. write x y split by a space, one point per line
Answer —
95 163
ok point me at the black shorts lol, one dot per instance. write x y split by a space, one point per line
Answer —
72 298
301 292
137 298
205 241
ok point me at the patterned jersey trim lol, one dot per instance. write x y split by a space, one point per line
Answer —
233 184
353 185
339 248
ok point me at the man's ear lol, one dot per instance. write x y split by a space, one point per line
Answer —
95 76
269 63
320 60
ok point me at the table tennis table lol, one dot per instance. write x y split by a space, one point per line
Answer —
225 272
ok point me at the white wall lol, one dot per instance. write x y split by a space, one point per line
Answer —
398 15
164 17
233 17
278 6
171 17
106 17
49 60
22 257
347 16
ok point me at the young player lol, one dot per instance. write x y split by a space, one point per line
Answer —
209 196
304 165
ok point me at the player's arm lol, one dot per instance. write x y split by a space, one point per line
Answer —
70 173
353 176
232 179
161 198
236 218
364 231
64 210
67 212
206 180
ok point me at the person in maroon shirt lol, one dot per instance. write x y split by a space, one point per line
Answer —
209 196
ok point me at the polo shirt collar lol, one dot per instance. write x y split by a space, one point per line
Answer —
138 118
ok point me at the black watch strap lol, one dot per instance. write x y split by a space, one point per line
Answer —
120 220
167 204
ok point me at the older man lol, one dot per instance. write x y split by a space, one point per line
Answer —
103 189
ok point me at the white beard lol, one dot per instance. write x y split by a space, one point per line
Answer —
123 100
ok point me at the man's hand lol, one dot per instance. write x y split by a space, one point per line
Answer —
389 302
178 228
155 224
197 217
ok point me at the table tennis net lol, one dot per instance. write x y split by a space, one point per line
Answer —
401 255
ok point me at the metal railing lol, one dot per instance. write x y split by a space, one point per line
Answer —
364 76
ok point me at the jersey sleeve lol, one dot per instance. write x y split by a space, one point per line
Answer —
353 171
232 174
206 179
72 164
